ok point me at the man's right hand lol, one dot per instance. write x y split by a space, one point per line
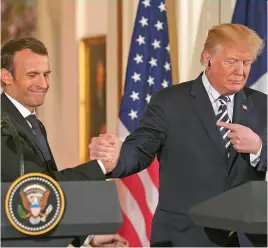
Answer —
112 240
106 148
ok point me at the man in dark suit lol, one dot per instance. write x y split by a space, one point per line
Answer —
209 135
25 82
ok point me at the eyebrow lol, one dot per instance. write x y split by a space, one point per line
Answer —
37 72
231 58
228 58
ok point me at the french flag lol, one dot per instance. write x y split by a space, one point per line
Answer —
253 14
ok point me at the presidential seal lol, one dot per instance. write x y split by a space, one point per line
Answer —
34 204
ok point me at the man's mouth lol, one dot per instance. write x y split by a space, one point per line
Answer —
38 91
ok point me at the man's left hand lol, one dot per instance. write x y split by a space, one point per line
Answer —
110 240
244 140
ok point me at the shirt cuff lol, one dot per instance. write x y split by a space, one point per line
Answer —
102 167
88 240
255 158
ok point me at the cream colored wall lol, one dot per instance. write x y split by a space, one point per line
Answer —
62 24
129 9
92 17
56 28
195 18
227 9
112 76
48 31
68 154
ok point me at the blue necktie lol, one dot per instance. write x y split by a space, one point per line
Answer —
39 136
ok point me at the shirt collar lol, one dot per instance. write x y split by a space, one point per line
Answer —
213 94
23 110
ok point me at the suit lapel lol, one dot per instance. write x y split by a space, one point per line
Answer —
204 109
241 115
52 165
8 106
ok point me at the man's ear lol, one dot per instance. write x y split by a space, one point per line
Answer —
206 58
6 77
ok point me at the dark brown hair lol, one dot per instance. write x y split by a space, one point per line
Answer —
9 49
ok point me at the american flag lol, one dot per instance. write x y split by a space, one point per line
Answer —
148 71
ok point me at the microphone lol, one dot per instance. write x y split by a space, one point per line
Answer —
7 128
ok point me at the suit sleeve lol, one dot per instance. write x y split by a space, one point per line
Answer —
262 165
140 147
10 166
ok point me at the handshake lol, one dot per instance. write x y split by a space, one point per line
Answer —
105 148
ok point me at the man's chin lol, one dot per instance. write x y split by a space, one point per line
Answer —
236 87
36 103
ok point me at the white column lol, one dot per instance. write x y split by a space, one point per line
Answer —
48 33
226 10
68 133
91 18
112 76
129 9
195 18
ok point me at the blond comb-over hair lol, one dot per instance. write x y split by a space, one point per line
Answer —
233 35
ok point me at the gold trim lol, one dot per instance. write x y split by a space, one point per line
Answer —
119 51
14 185
171 12
82 101
84 93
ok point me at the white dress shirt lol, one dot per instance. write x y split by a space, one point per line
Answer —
23 110
102 167
213 96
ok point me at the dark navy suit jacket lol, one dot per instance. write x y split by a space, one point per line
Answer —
179 126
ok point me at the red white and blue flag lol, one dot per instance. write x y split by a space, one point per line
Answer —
148 71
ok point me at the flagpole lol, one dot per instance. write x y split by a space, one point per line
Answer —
173 41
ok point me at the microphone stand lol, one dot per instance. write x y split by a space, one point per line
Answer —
7 128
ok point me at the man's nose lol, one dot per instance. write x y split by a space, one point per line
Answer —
43 81
239 69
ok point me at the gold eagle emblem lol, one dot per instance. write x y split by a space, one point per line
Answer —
34 201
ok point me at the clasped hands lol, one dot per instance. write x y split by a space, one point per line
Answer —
105 148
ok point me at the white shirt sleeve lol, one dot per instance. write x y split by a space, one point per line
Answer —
102 167
88 240
255 158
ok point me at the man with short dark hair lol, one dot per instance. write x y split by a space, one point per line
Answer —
25 74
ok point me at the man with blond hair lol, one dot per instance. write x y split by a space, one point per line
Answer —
209 135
